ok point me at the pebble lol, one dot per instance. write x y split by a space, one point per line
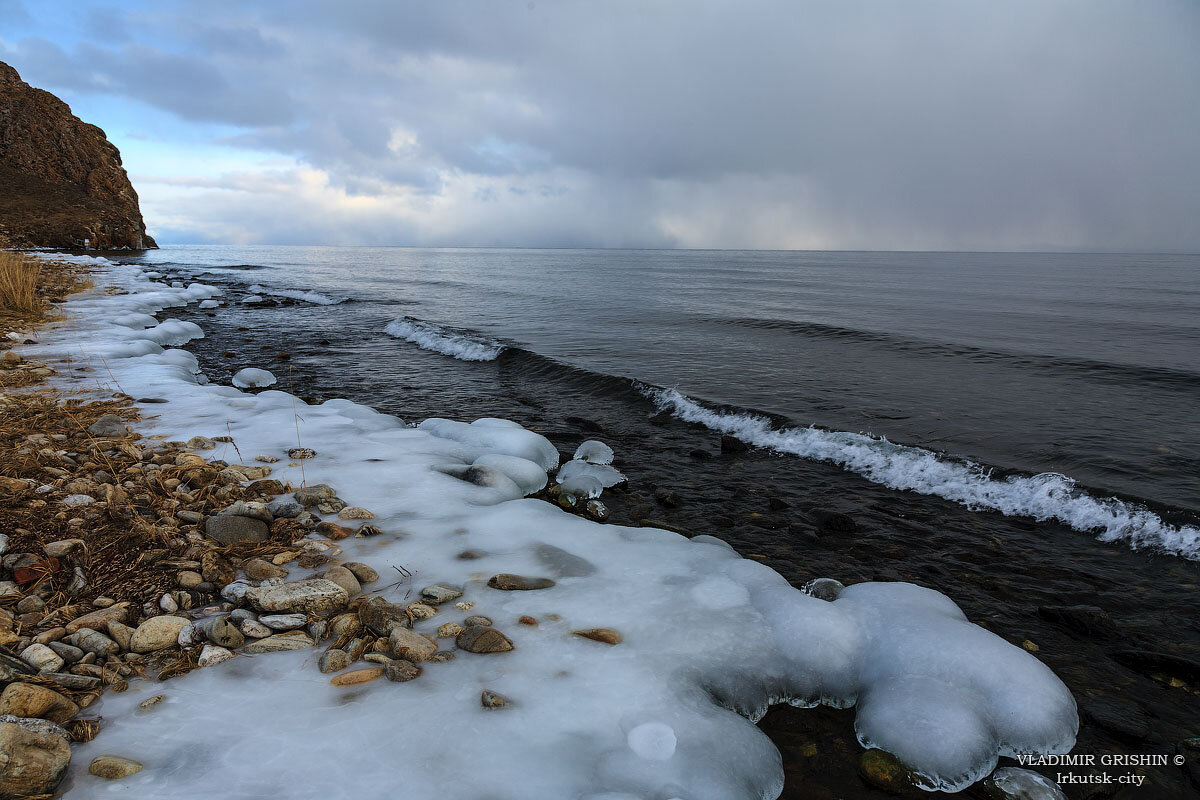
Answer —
477 620
43 659
224 633
401 671
362 572
200 443
213 654
254 629
151 701
100 618
480 639
420 611
333 660
823 588
301 453
93 642
189 579
104 602
168 604
259 569
283 622
439 593
292 640
355 512
344 578
490 699
449 630
77 500
517 583
29 700
64 547
603 635
120 633
113 767
68 653
309 496
358 676
157 633
410 645
285 509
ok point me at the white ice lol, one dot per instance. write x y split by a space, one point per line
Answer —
253 378
297 294
594 452
709 639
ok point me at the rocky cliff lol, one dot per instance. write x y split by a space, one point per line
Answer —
61 181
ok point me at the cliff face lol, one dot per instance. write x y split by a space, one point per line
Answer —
61 181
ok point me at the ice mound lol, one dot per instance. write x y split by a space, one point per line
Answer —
173 332
253 378
585 479
298 294
594 452
447 341
1045 496
707 640
485 436
209 304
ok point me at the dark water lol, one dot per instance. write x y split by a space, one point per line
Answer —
1079 364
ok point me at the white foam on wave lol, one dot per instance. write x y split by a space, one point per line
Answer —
299 294
1046 496
428 336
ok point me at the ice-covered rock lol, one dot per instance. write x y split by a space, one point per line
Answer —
253 378
594 452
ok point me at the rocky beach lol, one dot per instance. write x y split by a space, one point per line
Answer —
137 554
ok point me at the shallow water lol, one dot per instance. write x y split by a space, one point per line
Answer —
999 569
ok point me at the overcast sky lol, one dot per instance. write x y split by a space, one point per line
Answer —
846 124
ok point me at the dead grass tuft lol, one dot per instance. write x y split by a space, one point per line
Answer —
19 280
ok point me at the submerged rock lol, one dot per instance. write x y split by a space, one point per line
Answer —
401 671
517 583
1014 783
113 768
881 768
479 639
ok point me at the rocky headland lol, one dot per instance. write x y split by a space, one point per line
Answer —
62 184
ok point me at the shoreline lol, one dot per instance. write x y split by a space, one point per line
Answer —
358 414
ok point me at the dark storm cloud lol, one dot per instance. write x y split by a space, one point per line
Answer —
853 124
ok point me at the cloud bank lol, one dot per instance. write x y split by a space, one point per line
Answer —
932 124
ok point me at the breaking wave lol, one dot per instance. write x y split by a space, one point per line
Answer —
299 294
463 345
1047 496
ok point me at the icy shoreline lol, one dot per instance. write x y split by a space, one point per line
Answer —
703 630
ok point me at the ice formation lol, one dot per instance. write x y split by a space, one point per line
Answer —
709 639
448 342
1045 496
253 378
594 452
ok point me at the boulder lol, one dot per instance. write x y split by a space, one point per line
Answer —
32 761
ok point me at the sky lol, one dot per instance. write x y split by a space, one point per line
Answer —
789 124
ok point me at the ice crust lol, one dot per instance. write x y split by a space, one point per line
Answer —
709 639
448 342
1045 496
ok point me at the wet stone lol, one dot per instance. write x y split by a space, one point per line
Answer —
518 583
482 640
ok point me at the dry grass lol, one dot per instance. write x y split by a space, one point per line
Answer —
20 277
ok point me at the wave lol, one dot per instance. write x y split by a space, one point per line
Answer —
299 294
463 345
1164 376
1048 496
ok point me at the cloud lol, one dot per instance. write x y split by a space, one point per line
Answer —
932 124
